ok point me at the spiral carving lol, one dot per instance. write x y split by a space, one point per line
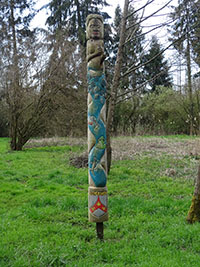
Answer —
96 120
97 91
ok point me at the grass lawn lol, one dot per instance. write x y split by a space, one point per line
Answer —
43 210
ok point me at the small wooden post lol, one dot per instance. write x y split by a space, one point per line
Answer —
99 229
97 192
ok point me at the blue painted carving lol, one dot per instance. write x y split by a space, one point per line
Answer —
97 90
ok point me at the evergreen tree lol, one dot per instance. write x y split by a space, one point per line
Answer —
116 30
15 38
156 69
65 74
196 31
67 58
185 28
132 48
184 31
28 102
73 14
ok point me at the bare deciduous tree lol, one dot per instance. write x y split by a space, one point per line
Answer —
124 38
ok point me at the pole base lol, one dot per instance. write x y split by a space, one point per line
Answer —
99 229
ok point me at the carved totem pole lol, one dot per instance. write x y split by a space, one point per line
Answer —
97 193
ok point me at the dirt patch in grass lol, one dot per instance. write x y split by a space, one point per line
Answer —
56 141
184 154
79 161
128 148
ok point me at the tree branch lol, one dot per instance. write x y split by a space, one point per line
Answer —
141 86
131 69
135 11
133 25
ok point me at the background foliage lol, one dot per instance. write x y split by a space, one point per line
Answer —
43 87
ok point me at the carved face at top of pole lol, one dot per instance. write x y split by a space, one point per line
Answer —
95 28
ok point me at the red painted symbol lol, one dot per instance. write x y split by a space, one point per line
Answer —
98 205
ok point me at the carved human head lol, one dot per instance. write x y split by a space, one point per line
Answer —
94 27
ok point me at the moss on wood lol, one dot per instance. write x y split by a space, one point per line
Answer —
194 211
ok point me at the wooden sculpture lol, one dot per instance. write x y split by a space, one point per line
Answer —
97 193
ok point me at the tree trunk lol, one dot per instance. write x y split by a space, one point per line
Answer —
21 142
115 82
13 131
198 109
80 30
14 96
189 73
194 211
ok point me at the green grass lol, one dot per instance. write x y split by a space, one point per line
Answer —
43 212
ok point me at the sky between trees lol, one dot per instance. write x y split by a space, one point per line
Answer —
150 23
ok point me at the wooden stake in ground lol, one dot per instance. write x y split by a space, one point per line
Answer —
97 193
194 211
